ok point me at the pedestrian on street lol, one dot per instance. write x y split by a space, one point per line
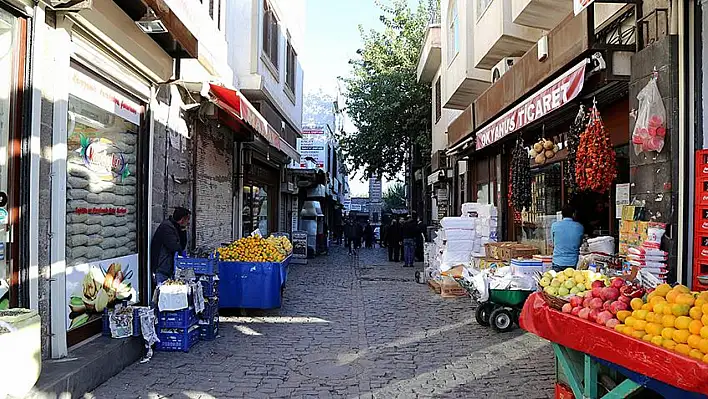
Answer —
349 233
169 238
567 236
401 222
368 235
358 235
410 233
420 241
393 240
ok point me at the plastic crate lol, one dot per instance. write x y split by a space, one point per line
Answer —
251 285
106 323
181 340
209 331
508 297
184 318
207 266
210 285
211 309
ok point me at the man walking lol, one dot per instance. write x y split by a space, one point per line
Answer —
393 241
169 238
411 233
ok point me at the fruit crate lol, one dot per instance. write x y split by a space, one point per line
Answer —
507 251
210 285
177 339
211 309
206 266
184 318
209 329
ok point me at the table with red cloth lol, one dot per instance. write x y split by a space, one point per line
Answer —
606 344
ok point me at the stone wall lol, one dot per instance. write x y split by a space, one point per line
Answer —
213 216
652 175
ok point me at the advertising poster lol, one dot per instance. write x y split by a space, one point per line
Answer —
94 286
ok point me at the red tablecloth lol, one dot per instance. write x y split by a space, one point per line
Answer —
604 343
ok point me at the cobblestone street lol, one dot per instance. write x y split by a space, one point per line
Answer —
349 329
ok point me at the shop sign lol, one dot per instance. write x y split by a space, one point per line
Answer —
552 97
580 5
95 286
101 96
312 149
300 244
102 157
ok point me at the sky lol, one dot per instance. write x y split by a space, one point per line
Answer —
331 40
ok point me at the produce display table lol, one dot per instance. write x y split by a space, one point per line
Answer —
644 364
252 285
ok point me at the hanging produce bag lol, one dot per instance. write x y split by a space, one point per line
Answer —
650 129
595 168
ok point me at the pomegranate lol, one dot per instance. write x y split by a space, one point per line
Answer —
597 292
625 299
586 302
576 301
596 303
610 293
606 305
617 282
603 317
598 284
592 316
617 306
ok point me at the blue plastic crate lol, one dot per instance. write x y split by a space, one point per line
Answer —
211 309
251 285
210 285
106 323
177 340
208 331
208 266
184 318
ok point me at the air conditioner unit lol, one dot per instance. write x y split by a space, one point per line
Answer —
502 67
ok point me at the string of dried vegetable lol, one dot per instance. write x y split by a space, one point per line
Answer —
595 168
573 141
520 178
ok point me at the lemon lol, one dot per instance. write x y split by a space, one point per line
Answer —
682 349
694 341
682 323
668 333
681 336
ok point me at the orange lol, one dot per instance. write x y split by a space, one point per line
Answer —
657 340
654 328
622 315
704 332
647 307
659 307
700 301
695 354
703 346
695 327
680 309
683 322
668 309
629 321
640 325
681 336
694 341
641 314
668 320
695 313
682 289
638 334
704 319
668 344
682 349
704 308
636 303
656 300
668 333
671 296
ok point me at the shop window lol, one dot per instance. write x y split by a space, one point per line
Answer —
256 210
271 33
290 68
482 6
453 42
101 200
438 101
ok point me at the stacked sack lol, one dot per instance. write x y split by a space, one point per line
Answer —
486 223
648 256
459 235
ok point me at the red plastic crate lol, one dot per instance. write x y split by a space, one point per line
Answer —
563 392
701 165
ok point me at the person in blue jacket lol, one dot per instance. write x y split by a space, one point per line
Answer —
567 238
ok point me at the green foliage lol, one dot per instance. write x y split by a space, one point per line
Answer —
395 197
384 100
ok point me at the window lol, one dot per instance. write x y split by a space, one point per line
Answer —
271 33
453 32
290 68
438 101
482 6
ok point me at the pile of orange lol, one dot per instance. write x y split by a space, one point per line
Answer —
673 318
250 249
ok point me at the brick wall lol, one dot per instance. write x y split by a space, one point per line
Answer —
214 186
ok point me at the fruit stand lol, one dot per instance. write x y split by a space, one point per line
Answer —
657 342
253 271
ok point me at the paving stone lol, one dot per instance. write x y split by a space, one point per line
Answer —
349 328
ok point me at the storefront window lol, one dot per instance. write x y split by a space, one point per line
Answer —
8 33
546 194
101 200
256 210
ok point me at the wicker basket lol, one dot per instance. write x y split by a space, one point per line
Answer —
553 301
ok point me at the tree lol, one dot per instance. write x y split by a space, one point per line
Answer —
395 197
390 109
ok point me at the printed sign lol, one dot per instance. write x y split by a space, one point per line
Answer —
621 198
580 5
103 97
300 244
102 157
552 97
313 150
95 286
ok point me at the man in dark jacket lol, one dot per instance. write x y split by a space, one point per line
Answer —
393 241
169 238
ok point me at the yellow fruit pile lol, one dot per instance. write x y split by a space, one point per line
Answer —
282 244
674 318
251 249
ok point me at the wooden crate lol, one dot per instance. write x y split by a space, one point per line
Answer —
435 286
507 251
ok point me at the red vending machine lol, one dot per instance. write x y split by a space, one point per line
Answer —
700 225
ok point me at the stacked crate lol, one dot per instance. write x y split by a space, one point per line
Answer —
209 318
177 330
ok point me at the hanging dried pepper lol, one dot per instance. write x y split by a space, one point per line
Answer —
576 129
595 168
520 178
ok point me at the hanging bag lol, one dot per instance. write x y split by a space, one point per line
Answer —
650 129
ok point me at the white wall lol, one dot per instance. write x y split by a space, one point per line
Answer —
251 73
439 139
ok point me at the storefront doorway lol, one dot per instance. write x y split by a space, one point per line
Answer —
13 51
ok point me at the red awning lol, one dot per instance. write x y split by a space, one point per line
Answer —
235 103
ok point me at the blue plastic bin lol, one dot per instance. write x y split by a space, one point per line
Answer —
177 319
208 331
210 286
181 340
211 309
251 285
209 266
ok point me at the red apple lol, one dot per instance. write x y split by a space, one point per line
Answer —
598 284
584 313
576 310
567 308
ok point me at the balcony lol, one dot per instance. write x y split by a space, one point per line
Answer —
431 55
497 36
542 14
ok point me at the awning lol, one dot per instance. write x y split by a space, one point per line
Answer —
551 97
236 103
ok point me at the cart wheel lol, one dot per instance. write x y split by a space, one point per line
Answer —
484 310
502 320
